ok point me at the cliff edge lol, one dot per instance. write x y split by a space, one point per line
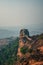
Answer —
30 52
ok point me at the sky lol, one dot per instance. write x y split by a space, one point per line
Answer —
21 13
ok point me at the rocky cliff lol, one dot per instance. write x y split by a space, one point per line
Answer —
30 52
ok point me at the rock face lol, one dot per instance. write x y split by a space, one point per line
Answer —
23 41
29 53
24 32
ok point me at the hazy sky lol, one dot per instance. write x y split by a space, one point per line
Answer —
21 12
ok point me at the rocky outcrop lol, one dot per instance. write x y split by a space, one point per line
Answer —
30 52
23 41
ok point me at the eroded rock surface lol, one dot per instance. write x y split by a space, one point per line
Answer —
30 52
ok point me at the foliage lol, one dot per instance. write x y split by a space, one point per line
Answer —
8 54
24 49
41 36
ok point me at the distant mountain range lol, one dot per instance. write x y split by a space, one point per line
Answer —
14 31
6 33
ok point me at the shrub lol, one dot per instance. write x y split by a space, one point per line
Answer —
24 49
40 37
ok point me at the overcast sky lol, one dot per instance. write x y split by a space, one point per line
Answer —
21 12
